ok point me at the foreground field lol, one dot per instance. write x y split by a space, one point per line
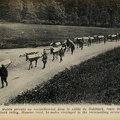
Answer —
16 35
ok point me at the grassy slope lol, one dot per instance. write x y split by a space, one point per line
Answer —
37 35
95 81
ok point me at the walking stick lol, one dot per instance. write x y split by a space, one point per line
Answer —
9 65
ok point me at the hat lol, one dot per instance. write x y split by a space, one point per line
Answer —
2 65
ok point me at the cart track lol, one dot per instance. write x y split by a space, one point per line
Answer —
21 79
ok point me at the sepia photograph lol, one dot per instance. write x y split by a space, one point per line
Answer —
60 53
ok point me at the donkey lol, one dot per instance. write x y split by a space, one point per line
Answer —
71 45
79 42
55 52
33 56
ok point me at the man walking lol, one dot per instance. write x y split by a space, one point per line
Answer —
44 58
61 54
4 75
72 48
89 41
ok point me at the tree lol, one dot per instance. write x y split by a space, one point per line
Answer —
4 9
41 11
77 12
55 12
104 17
117 19
28 11
15 9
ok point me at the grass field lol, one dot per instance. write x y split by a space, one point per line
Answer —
33 35
95 81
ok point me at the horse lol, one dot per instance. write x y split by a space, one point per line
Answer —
70 44
112 37
86 40
95 38
100 38
79 42
54 52
90 41
33 56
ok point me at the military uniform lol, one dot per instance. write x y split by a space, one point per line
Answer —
4 75
44 59
61 54
72 48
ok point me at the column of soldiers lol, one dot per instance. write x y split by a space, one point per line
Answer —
4 71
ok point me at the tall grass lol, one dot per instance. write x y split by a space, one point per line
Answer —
31 35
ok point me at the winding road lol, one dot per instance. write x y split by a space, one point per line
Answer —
21 79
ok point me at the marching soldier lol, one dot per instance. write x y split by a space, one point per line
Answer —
44 58
4 75
89 41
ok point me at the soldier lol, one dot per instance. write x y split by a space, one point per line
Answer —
61 54
89 41
105 39
72 48
44 58
4 75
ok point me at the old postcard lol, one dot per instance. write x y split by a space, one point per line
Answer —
60 59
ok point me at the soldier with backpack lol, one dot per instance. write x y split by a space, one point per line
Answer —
4 75
44 58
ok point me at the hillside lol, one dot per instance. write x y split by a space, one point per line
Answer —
62 12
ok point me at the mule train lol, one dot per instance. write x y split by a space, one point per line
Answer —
56 47
81 41
113 37
69 45
34 56
87 41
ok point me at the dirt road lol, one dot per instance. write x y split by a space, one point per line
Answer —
21 79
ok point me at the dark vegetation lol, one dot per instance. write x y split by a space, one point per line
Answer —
14 35
62 12
95 81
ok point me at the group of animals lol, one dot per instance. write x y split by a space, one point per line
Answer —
80 41
69 45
